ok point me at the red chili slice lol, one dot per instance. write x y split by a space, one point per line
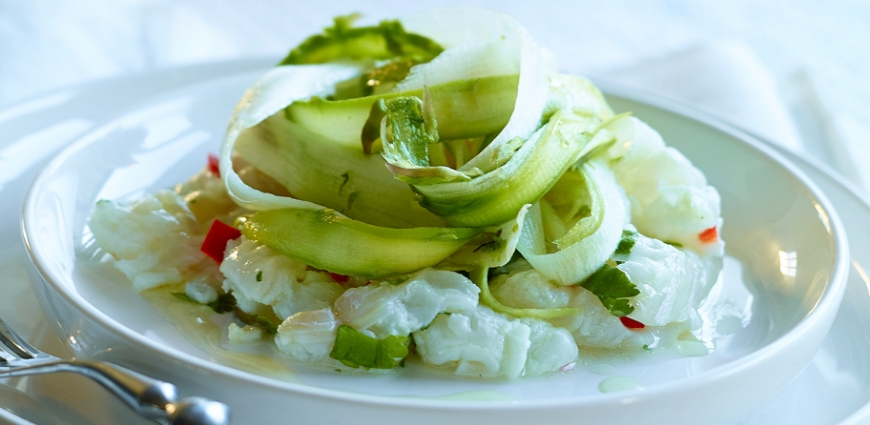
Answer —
339 277
214 164
630 323
216 239
709 235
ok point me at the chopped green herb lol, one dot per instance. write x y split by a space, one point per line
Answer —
629 238
224 303
612 286
646 347
268 326
356 349
263 322
259 276
674 244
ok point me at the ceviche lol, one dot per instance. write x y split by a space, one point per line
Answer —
430 188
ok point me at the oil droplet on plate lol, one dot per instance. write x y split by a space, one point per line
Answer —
618 383
602 369
689 346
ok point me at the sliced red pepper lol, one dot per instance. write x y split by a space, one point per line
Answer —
339 277
709 235
630 323
216 239
214 164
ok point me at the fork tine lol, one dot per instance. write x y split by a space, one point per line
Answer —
151 398
15 344
6 358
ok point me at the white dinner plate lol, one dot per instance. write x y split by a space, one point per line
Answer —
850 398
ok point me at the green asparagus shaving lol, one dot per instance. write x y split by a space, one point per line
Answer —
383 79
329 241
356 349
465 109
494 247
387 40
593 235
378 81
480 276
612 286
495 197
410 128
315 168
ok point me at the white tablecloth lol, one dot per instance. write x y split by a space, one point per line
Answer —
792 71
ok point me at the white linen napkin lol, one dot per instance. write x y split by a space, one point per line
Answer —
728 79
50 44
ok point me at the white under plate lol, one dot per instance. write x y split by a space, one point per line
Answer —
849 399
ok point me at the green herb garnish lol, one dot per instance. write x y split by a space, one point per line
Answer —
268 326
612 286
629 238
224 303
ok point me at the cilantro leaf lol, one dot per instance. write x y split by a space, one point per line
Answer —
224 303
612 286
356 349
629 238
268 326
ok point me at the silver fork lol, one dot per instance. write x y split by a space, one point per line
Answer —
152 399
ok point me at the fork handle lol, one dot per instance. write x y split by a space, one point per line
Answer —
153 399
